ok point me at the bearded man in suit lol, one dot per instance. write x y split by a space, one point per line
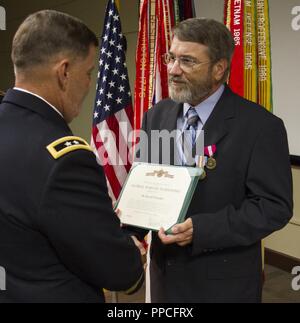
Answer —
215 255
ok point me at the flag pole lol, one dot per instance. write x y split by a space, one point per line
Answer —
115 296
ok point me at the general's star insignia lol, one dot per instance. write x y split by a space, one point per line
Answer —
65 145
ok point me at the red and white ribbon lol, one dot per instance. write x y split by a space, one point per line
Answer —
210 150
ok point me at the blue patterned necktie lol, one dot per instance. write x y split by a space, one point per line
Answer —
189 136
192 124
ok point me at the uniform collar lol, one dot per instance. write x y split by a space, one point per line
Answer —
41 98
35 104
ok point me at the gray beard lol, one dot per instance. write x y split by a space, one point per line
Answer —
191 93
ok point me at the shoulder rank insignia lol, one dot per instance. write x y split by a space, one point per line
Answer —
65 145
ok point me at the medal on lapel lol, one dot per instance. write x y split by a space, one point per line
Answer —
211 161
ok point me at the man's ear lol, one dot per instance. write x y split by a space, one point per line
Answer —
62 72
219 69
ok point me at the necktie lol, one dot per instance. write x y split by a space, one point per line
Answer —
192 124
189 136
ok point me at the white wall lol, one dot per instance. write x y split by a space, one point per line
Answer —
286 67
210 9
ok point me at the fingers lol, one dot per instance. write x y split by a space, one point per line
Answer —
165 239
181 238
185 242
183 227
139 245
118 212
182 234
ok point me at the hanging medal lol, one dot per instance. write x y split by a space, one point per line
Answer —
211 161
201 164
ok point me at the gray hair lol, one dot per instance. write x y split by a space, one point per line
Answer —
47 33
210 33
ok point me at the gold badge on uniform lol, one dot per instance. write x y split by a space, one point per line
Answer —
65 145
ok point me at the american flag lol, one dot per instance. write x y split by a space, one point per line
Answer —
113 112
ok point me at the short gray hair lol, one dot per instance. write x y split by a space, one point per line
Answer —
210 33
47 33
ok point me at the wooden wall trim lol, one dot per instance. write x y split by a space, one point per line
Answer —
280 260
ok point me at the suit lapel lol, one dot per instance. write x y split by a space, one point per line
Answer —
171 114
169 123
218 125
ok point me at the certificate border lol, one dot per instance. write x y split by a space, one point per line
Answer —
184 210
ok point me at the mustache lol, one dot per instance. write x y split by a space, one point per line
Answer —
177 79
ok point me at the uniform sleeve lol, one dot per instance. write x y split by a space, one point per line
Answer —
76 216
268 205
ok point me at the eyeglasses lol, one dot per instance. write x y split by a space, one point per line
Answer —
186 63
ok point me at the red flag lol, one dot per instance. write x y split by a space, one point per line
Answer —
154 40
234 19
165 22
141 95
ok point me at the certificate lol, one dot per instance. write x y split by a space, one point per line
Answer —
157 196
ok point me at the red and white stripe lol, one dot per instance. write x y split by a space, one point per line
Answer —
111 143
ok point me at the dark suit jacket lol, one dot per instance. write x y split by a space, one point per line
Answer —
246 198
60 241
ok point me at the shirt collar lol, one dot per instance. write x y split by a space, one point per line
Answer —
52 106
205 108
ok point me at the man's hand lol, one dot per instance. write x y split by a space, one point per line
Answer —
182 234
139 245
118 212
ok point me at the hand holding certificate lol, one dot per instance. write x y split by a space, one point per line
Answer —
157 196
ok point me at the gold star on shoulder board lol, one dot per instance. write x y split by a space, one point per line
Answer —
65 145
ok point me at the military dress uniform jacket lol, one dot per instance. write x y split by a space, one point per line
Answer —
244 199
60 241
